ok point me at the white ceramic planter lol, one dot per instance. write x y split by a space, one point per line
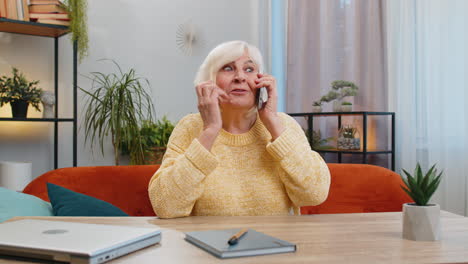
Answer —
346 108
421 223
337 106
316 108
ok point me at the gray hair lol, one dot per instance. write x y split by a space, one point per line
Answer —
223 54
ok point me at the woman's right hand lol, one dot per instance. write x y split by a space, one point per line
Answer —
209 96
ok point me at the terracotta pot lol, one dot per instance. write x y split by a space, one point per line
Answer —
421 223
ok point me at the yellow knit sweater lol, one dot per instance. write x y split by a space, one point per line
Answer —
244 174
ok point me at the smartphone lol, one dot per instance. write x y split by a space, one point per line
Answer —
262 97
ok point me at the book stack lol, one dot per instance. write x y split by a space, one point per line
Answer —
14 9
41 11
48 12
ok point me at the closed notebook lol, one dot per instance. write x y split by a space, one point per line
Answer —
253 243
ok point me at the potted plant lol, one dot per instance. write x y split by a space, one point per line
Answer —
421 220
348 138
344 89
317 142
154 137
340 90
117 104
20 93
330 96
317 106
77 10
346 106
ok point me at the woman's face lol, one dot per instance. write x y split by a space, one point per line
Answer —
237 79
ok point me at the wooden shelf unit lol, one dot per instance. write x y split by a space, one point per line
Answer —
51 31
365 150
32 28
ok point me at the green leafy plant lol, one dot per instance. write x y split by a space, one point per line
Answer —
346 103
154 137
318 143
348 132
340 89
345 88
419 186
330 96
117 104
317 103
18 88
77 11
156 134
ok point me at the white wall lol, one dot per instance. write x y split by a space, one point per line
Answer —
138 34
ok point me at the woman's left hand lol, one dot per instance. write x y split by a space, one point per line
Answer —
268 114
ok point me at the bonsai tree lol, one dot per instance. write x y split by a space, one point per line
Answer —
117 104
344 88
340 89
419 186
317 106
330 96
154 138
20 93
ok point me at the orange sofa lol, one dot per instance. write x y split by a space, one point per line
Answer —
355 188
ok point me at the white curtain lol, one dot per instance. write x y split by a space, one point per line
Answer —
427 56
336 39
339 40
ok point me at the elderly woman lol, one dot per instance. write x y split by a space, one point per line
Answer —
232 159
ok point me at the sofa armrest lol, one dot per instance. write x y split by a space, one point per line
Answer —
361 188
123 186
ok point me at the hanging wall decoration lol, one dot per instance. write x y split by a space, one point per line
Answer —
188 38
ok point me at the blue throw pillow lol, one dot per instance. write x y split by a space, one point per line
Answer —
69 203
14 203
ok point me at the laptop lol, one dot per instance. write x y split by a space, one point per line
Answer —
74 243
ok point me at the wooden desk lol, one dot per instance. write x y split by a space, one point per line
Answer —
337 238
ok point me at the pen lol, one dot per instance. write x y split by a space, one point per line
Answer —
235 238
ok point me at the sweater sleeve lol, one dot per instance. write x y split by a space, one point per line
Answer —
178 183
306 175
